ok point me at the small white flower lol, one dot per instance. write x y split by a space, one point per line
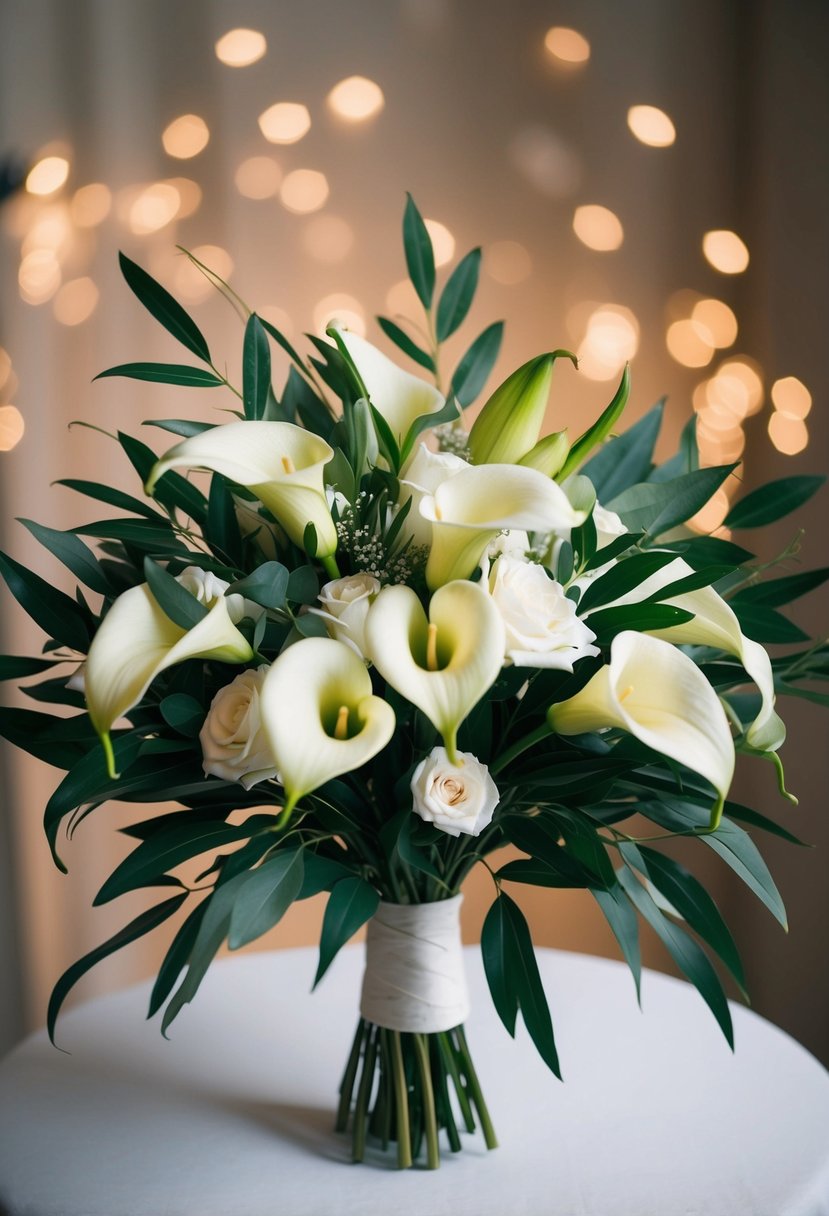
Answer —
207 587
455 798
234 746
345 604
542 629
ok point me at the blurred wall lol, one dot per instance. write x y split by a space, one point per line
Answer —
499 141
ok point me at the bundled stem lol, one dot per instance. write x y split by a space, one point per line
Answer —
407 1088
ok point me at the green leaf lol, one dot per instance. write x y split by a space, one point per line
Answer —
222 531
107 494
386 440
74 554
256 368
175 958
539 874
626 575
472 372
183 713
457 295
523 972
496 948
265 897
267 586
17 667
351 903
781 590
607 622
685 952
57 615
627 458
686 459
165 373
763 624
142 924
702 551
657 507
303 585
447 413
171 490
693 903
175 601
735 811
180 426
704 577
42 736
600 429
320 874
619 914
166 310
141 533
402 340
772 501
420 256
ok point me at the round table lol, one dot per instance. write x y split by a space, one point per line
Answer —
233 1116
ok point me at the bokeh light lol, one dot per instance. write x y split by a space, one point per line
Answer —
507 262
690 343
343 309
356 99
651 126
48 175
789 435
742 377
598 227
190 283
76 301
611 338
548 163
90 205
12 427
258 177
286 122
155 207
304 190
725 251
240 48
443 242
51 230
5 367
791 397
190 195
711 516
328 238
567 46
718 320
402 300
39 276
185 137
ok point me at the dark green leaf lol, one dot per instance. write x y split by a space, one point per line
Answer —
180 426
472 372
627 574
619 914
763 624
735 811
38 734
222 531
657 507
782 590
166 310
281 340
496 947
386 439
523 972
320 874
142 924
171 490
176 958
185 714
704 577
402 340
686 459
56 614
607 622
702 551
303 585
265 896
107 494
174 600
600 429
457 295
74 554
420 256
267 586
165 373
351 903
539 874
625 459
772 501
256 368
16 667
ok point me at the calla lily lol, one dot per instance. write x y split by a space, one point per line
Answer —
136 641
715 624
509 424
320 716
659 695
282 463
419 479
398 395
443 664
469 509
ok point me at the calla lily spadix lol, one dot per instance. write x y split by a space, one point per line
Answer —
659 695
136 641
469 509
398 395
715 624
443 664
282 463
320 716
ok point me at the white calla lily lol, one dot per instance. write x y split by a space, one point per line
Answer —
419 479
470 508
659 695
443 664
715 624
136 641
398 395
282 463
320 716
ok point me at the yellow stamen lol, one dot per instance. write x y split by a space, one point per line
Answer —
432 648
341 729
624 695
288 464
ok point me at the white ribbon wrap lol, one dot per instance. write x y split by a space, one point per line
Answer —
414 978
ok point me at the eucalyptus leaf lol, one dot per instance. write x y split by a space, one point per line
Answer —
165 373
57 615
625 459
256 368
772 501
267 586
472 372
409 347
351 903
174 600
457 295
265 896
73 553
619 914
420 256
166 310
657 507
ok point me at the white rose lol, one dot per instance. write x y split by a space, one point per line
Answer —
542 629
207 587
514 541
423 474
233 742
345 604
454 798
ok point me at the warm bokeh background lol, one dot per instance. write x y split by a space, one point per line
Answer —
510 129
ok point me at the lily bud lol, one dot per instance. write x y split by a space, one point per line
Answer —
548 455
510 423
659 695
282 463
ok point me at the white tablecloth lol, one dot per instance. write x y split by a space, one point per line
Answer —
233 1117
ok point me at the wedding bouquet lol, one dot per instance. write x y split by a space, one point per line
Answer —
376 648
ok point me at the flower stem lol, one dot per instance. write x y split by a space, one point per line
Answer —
429 1118
535 736
330 566
401 1099
490 1139
347 1083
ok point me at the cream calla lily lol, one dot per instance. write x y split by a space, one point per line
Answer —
659 695
282 463
320 716
443 664
137 641
398 395
469 509
715 624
